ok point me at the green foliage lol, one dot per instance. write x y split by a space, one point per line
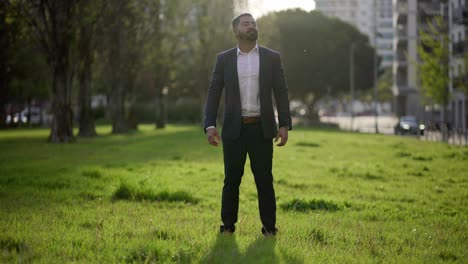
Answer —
28 74
188 112
362 197
433 69
384 85
315 52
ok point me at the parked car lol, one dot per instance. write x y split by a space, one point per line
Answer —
409 125
19 118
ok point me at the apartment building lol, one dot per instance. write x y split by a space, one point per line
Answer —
405 81
411 16
369 17
458 27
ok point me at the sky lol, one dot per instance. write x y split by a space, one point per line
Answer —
261 7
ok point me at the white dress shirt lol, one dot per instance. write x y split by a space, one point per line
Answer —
248 72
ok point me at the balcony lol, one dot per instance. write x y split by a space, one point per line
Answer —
461 15
460 81
401 60
458 16
402 18
402 32
458 48
401 78
401 7
429 8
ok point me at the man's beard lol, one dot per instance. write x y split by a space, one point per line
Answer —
250 36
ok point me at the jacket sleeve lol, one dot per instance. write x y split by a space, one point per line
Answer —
280 90
214 93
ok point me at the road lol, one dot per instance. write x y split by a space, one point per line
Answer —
365 124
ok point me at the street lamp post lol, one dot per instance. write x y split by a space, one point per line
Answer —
376 115
351 82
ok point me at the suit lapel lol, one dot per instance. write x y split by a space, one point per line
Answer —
233 66
263 63
232 69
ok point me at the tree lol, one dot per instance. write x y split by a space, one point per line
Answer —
120 52
90 13
433 67
315 49
5 32
53 28
165 24
384 85
214 34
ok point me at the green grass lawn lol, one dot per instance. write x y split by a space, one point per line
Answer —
154 197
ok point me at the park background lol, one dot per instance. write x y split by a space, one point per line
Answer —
125 83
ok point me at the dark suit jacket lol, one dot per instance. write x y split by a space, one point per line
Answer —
272 82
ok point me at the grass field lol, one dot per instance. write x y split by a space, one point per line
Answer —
154 197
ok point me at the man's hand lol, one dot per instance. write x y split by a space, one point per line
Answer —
213 136
283 134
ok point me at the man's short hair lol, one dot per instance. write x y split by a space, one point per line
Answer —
236 20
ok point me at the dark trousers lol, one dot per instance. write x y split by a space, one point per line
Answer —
260 151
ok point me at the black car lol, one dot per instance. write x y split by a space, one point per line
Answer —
409 125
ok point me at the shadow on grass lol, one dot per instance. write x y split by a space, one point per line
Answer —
132 193
305 206
261 251
27 155
226 250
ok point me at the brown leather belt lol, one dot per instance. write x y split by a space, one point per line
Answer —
250 119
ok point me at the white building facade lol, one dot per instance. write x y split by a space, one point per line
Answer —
458 26
368 16
411 16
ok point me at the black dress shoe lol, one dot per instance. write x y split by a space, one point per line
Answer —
269 232
227 229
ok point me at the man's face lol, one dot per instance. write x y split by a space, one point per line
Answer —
247 29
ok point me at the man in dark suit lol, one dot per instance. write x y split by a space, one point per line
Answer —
250 76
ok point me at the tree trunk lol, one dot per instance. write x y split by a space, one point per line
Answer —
117 90
4 46
28 115
117 110
62 122
87 124
160 109
132 120
443 126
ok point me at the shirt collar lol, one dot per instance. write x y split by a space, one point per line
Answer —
240 52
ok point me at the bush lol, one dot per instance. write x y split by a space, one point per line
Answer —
186 111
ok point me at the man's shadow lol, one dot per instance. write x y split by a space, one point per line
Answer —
226 250
261 250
